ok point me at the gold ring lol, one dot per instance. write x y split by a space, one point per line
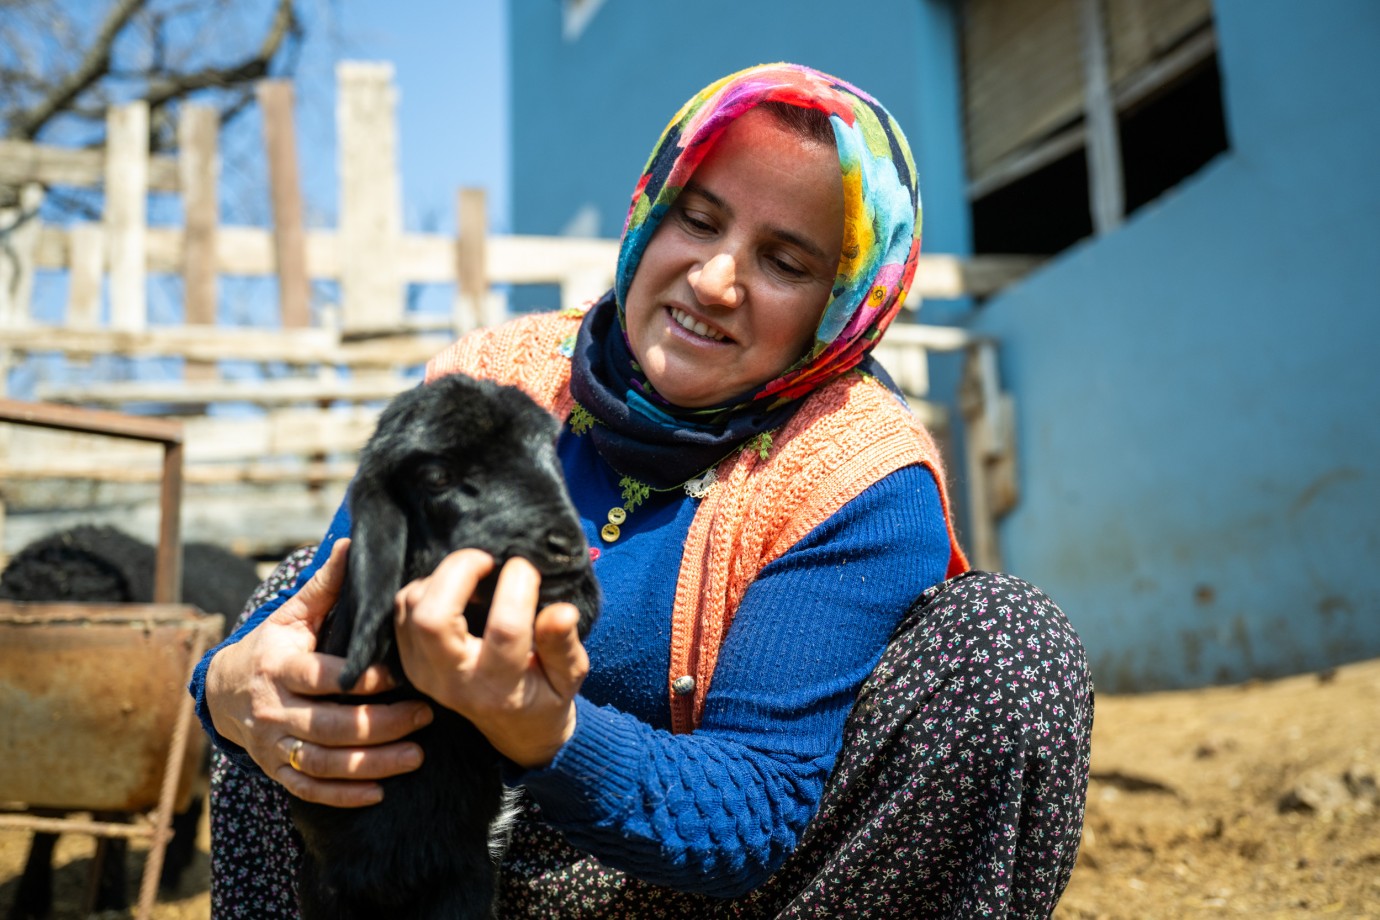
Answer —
294 753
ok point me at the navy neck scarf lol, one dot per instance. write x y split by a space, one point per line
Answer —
648 440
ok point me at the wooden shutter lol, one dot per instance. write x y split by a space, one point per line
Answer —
1023 77
1141 31
1023 65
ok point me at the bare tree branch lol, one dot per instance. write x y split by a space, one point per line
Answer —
284 24
61 68
81 94
94 65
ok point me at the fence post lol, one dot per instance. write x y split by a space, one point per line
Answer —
19 226
199 168
289 234
472 277
370 196
126 213
85 268
989 435
18 238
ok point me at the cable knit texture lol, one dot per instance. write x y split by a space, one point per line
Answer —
845 437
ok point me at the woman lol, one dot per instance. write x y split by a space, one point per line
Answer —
764 513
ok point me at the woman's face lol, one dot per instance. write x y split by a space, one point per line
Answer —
732 284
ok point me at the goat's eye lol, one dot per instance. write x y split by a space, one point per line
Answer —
434 476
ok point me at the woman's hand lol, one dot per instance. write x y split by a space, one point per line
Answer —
518 683
262 695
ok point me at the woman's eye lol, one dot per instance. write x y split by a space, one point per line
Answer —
789 269
696 223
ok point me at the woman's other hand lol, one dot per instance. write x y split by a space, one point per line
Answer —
263 694
518 683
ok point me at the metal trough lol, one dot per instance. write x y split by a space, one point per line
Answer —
91 695
93 714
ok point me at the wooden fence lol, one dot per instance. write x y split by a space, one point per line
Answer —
267 457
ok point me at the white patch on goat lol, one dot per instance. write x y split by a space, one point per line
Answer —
501 830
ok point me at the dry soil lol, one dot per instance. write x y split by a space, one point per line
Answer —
1258 800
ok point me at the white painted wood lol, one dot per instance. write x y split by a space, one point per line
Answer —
930 338
291 346
22 161
580 287
126 210
283 391
547 259
370 196
86 272
199 161
282 437
907 364
472 284
18 256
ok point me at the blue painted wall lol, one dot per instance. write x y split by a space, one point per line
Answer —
587 112
1198 400
1199 392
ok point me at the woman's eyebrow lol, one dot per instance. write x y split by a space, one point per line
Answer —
694 188
780 233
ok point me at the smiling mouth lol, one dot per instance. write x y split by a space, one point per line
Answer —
686 321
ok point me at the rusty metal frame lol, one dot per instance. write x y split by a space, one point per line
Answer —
167 591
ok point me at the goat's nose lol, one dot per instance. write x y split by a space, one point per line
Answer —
563 543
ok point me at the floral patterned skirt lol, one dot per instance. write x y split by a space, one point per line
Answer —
958 793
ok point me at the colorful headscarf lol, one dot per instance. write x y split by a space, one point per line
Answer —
881 243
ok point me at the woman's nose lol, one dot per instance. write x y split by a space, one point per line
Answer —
716 281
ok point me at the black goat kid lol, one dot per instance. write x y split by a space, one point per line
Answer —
455 463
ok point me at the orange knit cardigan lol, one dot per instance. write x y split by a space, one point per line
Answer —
846 436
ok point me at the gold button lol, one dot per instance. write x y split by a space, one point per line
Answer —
617 515
610 532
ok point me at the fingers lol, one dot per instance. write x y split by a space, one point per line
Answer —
499 682
345 725
434 639
320 762
507 647
339 793
313 674
332 753
311 604
562 655
435 605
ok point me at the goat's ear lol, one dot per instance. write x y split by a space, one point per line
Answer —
378 542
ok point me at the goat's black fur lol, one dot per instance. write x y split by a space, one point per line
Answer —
456 463
102 564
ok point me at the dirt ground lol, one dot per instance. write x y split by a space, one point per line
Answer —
1257 800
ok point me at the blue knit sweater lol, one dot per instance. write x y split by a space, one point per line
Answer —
718 810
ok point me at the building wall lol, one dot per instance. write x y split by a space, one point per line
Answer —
587 111
1198 393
